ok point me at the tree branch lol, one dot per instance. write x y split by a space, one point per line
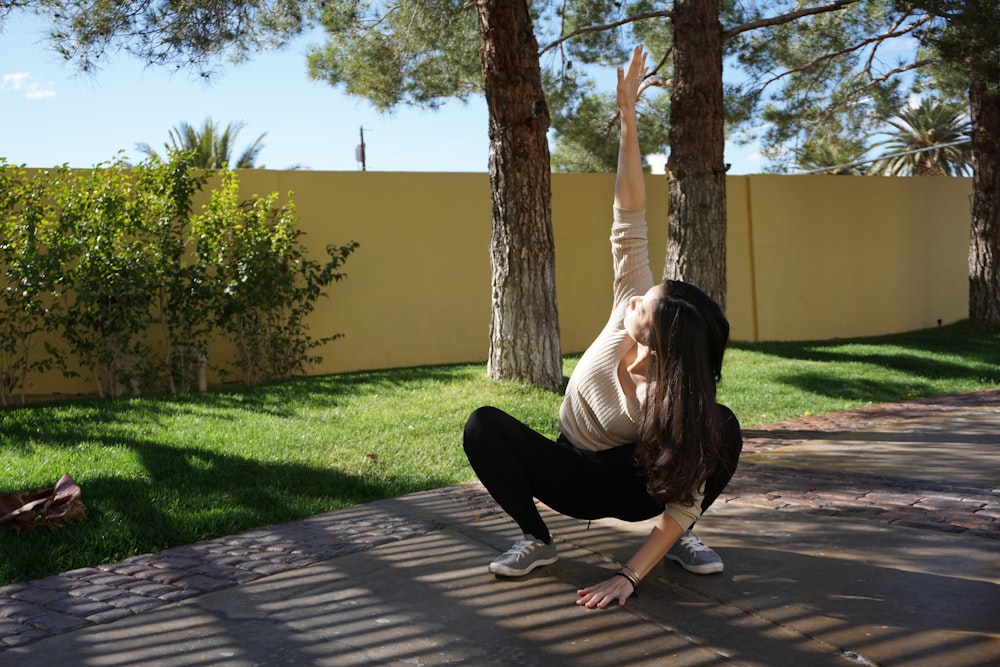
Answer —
856 92
660 65
916 64
787 18
608 26
854 47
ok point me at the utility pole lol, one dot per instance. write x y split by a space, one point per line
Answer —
359 152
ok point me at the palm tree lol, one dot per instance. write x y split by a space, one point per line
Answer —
829 154
211 146
938 130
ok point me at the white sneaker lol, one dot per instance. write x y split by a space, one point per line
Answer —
526 554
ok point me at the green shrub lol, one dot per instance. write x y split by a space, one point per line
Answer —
264 285
181 295
29 265
110 258
106 285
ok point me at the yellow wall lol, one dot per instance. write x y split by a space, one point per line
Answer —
809 257
847 256
581 221
418 288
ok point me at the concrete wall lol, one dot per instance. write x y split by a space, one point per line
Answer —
809 257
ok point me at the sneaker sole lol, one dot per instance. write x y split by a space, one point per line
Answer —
705 568
504 571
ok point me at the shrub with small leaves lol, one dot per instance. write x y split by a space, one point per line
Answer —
181 297
264 283
106 284
113 261
29 265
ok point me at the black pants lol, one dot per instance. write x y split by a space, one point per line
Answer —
517 464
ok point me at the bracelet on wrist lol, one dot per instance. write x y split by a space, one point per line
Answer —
632 580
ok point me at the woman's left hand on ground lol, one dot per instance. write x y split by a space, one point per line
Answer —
601 595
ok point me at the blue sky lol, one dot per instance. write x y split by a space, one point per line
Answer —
50 115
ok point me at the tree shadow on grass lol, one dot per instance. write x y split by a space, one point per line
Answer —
184 492
856 389
285 398
187 495
979 350
66 423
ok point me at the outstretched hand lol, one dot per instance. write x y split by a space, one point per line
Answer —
603 594
630 79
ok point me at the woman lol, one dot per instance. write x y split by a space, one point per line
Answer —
641 433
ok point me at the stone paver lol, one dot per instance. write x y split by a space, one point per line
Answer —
64 602
897 463
947 507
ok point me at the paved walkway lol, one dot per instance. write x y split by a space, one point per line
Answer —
863 538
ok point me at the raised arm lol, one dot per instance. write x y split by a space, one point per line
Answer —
630 186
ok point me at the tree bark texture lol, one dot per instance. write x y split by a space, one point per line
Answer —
524 330
984 241
696 243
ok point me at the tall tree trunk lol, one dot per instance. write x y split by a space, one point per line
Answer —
984 242
524 331
696 245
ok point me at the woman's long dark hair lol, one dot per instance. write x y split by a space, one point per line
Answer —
680 438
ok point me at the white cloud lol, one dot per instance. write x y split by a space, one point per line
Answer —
36 92
743 159
21 83
657 163
15 81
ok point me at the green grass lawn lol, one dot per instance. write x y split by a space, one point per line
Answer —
160 472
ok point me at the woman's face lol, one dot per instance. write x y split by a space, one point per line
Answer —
639 313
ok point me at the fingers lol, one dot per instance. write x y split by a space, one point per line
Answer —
637 65
604 594
630 77
600 600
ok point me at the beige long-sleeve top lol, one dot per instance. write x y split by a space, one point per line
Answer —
595 413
